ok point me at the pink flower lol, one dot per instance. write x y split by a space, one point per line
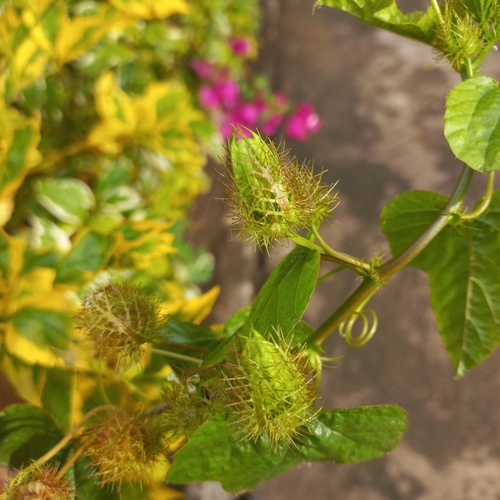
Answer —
303 122
203 69
244 116
270 125
208 97
239 46
223 94
227 93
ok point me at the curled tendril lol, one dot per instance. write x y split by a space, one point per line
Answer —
345 329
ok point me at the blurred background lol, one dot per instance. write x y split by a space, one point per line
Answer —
381 102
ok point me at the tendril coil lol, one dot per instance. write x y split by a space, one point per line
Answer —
346 328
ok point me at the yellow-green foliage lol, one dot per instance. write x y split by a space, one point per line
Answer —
102 147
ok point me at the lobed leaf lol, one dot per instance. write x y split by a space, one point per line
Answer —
463 269
387 15
472 123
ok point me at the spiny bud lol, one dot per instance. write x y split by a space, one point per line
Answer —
460 36
271 389
37 483
192 398
125 446
270 195
117 320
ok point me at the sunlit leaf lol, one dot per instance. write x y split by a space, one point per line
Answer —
387 15
472 123
150 9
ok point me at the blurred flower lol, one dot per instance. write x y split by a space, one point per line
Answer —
223 94
239 46
303 122
270 125
203 69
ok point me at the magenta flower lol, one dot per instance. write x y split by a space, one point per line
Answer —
223 94
239 46
208 97
270 125
203 69
227 93
303 122
243 116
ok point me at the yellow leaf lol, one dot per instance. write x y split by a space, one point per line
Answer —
38 7
6 209
27 351
79 34
18 148
9 22
151 9
22 377
37 289
157 491
27 64
115 109
197 309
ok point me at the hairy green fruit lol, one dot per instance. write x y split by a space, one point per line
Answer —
37 483
272 390
270 195
125 446
117 319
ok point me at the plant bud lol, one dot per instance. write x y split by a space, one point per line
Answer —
125 446
271 196
271 389
117 320
37 483
192 398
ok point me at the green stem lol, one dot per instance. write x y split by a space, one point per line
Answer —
437 10
339 257
65 468
485 202
384 272
469 69
175 355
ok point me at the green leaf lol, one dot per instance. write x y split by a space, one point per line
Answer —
214 453
17 159
87 487
463 268
43 327
472 123
57 395
351 435
386 14
69 200
184 334
236 321
284 297
90 254
26 433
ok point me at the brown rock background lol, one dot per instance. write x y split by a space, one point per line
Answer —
381 99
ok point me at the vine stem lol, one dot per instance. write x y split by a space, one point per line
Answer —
78 453
327 253
340 257
61 444
437 10
175 355
485 202
392 266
